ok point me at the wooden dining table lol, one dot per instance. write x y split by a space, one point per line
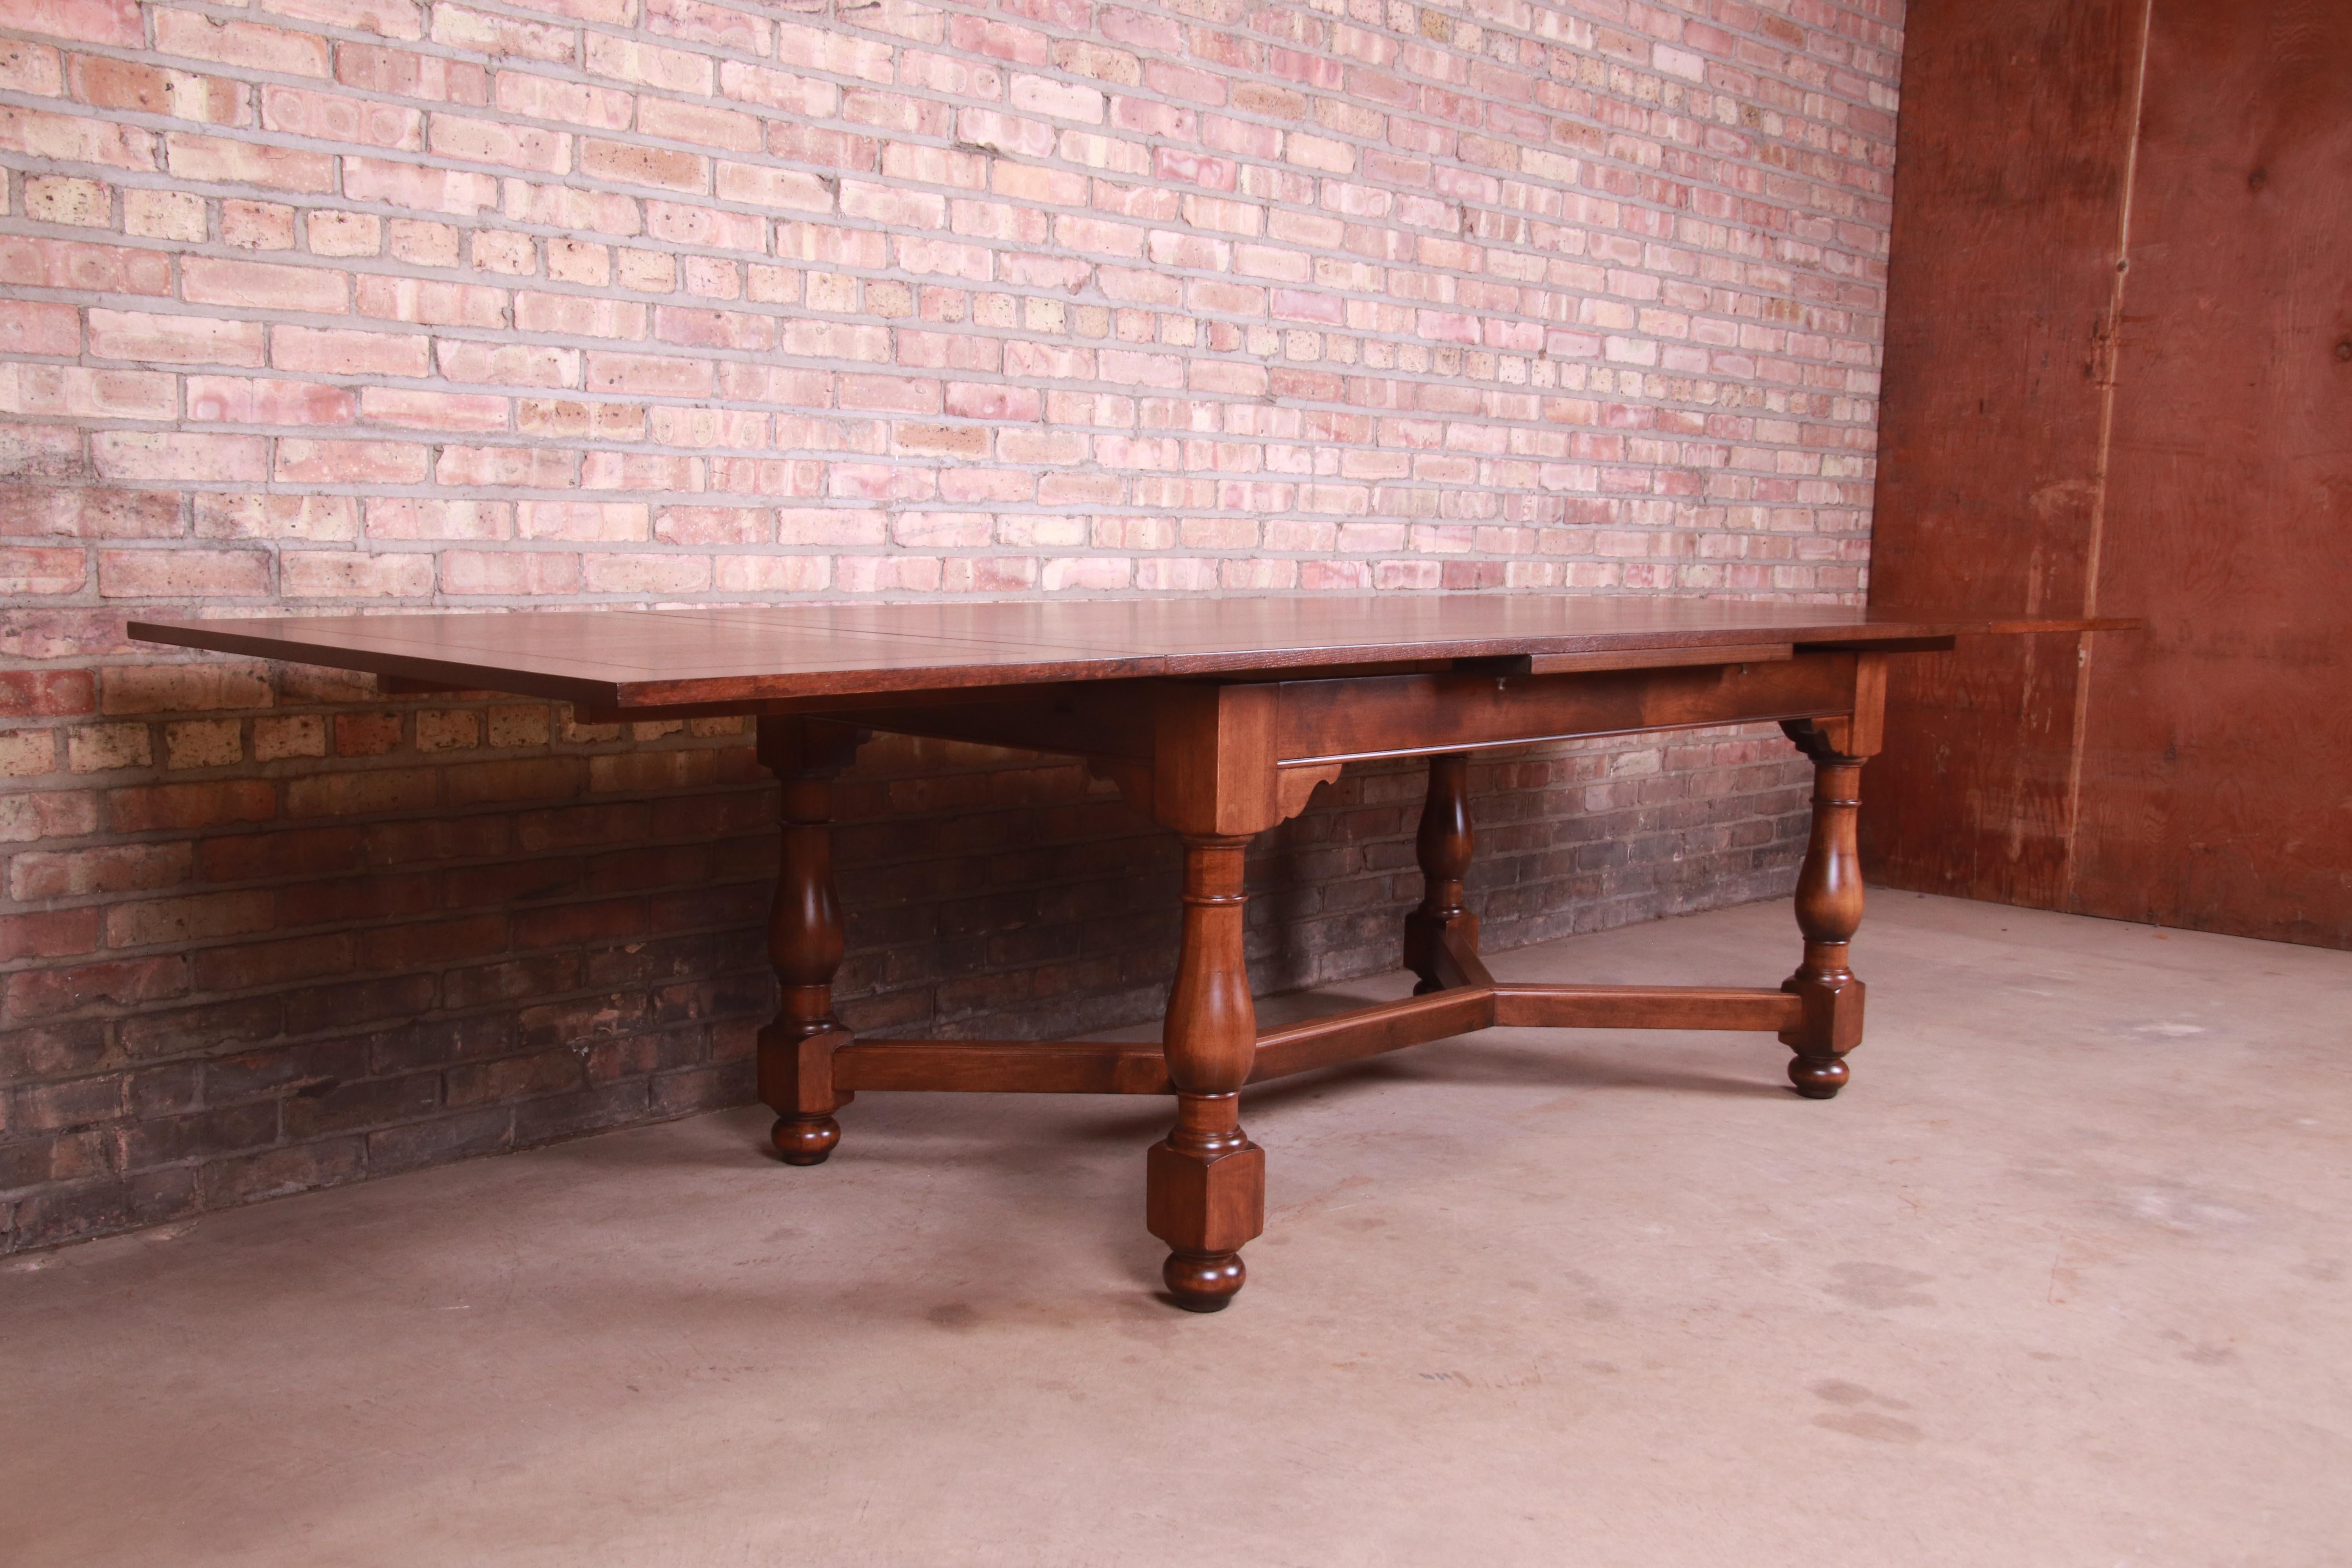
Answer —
1218 718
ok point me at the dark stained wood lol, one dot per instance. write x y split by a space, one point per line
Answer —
1370 1032
1657 658
1004 1066
1109 1066
1457 962
1219 719
657 661
1443 846
1404 715
1092 720
1205 1192
2215 747
1829 911
804 939
2009 200
1645 1008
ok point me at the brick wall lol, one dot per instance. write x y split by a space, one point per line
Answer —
383 304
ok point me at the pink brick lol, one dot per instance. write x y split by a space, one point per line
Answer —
714 329
704 124
74 138
983 401
154 456
580 520
72 392
488 142
42 572
114 22
404 74
510 364
894 393
183 573
781 90
569 103
420 187
623 59
649 375
30 328
516 574
337 117
432 302
240 400
99 268
692 525
384 18
580 315
337 351
632 163
216 160
538 467
822 49
302 460
683 224
244 43
416 410
483 33
646 574
420 519
758 185
563 206
214 280
771 574
343 574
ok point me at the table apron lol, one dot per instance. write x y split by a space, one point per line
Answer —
1319 722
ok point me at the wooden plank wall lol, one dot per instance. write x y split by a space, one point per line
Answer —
2119 381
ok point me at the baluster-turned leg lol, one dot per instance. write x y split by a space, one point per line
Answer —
1443 846
1206 1181
804 939
1829 911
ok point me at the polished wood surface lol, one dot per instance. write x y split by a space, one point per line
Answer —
1443 846
1205 1182
650 661
805 942
1829 910
1219 719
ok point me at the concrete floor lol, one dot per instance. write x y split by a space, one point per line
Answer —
2062 1279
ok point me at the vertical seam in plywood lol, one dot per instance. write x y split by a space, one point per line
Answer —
2113 348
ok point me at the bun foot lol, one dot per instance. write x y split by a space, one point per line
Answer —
1204 1282
1817 1077
806 1140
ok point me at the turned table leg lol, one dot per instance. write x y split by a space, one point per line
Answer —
1444 847
1829 911
804 939
1206 1181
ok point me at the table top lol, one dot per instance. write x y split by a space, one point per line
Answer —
631 659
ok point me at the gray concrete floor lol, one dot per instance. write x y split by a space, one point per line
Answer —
2062 1279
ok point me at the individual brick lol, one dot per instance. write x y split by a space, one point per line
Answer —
204 744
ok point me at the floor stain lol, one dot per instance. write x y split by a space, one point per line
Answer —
1879 1285
1870 1424
1838 1391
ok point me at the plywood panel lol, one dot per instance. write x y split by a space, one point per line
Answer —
2009 209
2217 760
